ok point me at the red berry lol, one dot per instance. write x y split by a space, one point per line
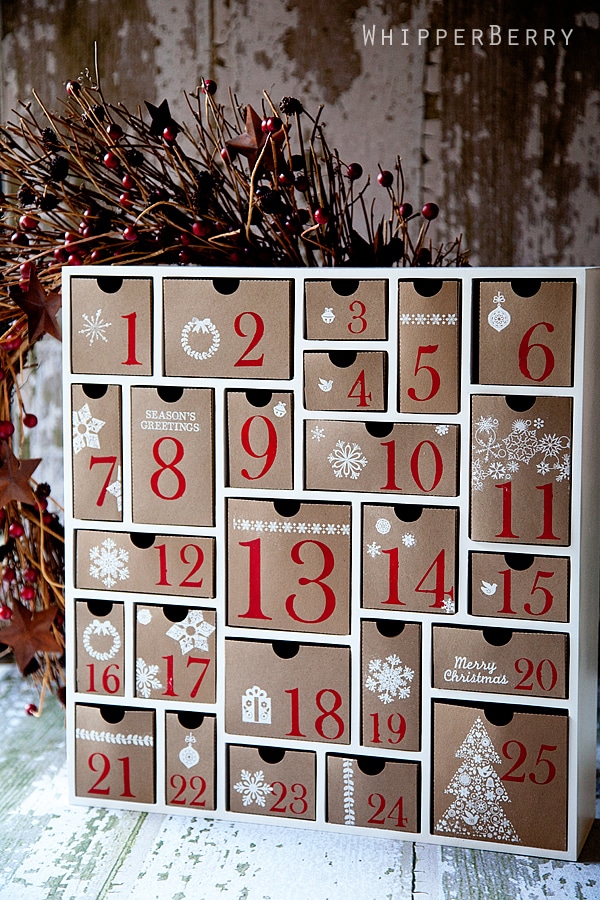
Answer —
321 216
12 344
47 518
20 239
60 255
209 86
71 238
31 709
130 233
271 124
16 530
6 429
301 183
73 88
184 238
228 155
96 256
125 200
5 612
385 178
114 131
430 211
405 210
27 593
89 213
200 229
25 270
184 257
74 260
2 377
30 575
8 575
354 171
110 160
41 504
30 420
127 182
28 223
170 133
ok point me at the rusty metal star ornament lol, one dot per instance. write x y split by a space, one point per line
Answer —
251 142
14 476
30 633
41 308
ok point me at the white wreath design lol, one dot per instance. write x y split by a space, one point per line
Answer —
97 627
195 326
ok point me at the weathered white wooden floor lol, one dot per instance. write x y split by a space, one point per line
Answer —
51 851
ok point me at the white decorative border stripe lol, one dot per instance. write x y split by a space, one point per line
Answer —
262 526
428 318
109 737
349 816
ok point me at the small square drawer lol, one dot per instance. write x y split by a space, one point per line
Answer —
114 753
373 792
271 781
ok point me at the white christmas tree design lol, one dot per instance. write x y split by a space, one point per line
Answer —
477 810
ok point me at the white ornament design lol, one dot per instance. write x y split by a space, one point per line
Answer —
144 616
348 776
145 678
95 327
477 810
101 628
317 433
500 458
107 563
374 549
256 706
409 540
325 385
328 315
188 756
383 526
85 429
195 326
262 526
347 460
280 409
390 678
192 632
253 788
499 317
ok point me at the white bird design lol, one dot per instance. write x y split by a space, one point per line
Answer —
325 385
487 588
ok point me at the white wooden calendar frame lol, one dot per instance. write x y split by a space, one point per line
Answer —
582 627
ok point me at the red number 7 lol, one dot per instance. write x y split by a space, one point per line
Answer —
203 662
109 461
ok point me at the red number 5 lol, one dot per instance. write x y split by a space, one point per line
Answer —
433 374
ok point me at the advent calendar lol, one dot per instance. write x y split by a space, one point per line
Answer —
332 548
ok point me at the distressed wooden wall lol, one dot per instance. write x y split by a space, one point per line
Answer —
505 138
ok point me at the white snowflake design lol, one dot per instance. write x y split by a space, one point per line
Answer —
116 489
144 616
253 788
409 540
94 327
347 460
449 605
442 429
390 678
383 526
85 429
108 563
145 678
192 632
318 433
501 458
374 549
